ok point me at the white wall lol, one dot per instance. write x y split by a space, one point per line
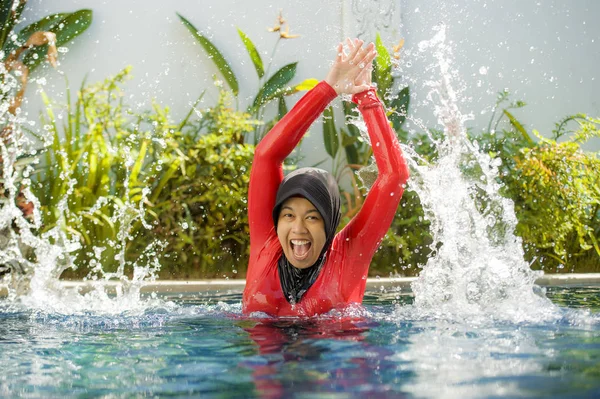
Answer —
170 66
545 52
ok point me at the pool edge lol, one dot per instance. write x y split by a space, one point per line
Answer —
166 286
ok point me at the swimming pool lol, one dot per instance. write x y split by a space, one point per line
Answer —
199 345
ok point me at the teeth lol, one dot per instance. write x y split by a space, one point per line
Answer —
300 242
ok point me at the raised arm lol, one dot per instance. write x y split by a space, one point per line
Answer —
366 230
267 172
267 169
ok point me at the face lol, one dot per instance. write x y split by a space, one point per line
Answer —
301 232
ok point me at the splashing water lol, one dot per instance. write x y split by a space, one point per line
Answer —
477 268
36 261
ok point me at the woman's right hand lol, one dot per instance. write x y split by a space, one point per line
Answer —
351 73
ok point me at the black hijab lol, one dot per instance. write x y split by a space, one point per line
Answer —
320 188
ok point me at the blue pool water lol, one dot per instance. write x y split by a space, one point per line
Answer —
201 346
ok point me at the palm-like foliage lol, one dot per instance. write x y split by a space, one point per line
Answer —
273 87
21 52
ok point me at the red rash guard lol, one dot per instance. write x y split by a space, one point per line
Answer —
343 277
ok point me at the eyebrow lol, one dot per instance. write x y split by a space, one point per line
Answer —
290 208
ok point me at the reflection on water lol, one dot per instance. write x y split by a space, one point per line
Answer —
319 355
460 361
576 297
201 345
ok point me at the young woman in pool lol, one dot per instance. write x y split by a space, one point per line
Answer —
298 265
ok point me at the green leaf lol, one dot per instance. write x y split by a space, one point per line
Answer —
352 157
19 11
6 20
253 53
274 87
349 108
191 111
374 76
349 112
164 179
349 143
218 58
72 25
594 241
139 163
346 138
43 25
330 133
400 108
382 68
66 29
282 108
519 127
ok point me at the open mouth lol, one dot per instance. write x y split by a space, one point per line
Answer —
300 248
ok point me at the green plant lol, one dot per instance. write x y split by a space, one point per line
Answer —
124 182
201 212
98 162
406 246
556 189
273 87
21 52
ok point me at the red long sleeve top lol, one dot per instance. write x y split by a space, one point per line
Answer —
343 277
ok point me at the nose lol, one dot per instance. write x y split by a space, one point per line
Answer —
298 226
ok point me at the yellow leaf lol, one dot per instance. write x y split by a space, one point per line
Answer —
306 85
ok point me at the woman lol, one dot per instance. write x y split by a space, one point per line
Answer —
298 265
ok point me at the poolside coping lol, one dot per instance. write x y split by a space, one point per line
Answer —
166 286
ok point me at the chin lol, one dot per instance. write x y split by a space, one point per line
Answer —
301 264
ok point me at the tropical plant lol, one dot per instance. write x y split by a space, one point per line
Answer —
406 245
124 183
201 213
24 50
555 186
98 162
273 87
21 52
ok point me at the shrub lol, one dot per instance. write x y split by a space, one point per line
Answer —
123 182
556 189
98 163
201 213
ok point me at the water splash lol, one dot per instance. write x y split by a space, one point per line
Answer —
32 262
19 244
477 268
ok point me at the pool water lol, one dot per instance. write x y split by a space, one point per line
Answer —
201 346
